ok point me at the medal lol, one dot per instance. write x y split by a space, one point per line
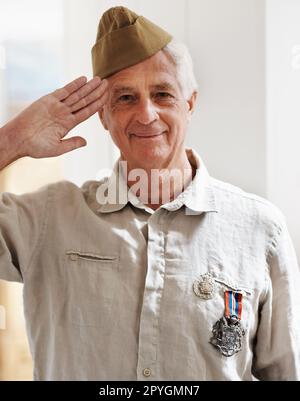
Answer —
228 331
205 286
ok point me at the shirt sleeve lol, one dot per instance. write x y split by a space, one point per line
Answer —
277 349
22 221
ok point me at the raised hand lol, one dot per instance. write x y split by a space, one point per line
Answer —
39 129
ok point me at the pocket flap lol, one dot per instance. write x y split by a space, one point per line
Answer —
92 256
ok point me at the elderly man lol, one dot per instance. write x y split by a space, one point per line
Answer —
121 282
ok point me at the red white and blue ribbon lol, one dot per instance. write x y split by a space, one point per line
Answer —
233 304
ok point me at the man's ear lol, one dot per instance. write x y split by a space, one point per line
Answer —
102 118
191 104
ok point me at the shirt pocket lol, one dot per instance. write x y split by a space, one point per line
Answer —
90 287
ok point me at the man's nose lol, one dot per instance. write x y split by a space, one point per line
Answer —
146 112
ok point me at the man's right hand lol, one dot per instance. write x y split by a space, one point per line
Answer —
38 131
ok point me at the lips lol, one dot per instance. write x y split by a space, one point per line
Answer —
147 134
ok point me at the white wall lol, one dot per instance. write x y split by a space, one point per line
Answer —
226 39
283 109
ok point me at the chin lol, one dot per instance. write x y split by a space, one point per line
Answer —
152 156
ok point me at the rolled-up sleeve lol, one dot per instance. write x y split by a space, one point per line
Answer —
277 349
22 221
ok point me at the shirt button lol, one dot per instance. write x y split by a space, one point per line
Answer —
147 372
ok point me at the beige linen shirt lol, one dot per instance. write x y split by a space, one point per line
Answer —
109 289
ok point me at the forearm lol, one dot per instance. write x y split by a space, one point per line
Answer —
10 146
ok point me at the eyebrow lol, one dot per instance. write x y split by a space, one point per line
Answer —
163 86
118 90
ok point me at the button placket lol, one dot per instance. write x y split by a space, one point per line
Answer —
154 283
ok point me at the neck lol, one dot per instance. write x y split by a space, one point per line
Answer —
155 186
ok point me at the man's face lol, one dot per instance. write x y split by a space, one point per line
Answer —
146 113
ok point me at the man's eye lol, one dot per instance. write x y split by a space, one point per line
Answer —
126 98
164 96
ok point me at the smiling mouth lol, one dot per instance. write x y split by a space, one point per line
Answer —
147 136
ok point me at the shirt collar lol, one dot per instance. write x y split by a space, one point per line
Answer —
198 197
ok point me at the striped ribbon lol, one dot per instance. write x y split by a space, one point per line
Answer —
233 304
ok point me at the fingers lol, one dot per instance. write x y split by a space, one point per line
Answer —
88 111
67 145
68 89
90 98
82 92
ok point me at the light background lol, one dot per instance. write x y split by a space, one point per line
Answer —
246 126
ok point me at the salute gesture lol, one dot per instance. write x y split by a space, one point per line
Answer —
38 131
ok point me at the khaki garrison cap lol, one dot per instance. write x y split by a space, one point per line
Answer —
125 39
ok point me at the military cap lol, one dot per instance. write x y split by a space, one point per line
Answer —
125 39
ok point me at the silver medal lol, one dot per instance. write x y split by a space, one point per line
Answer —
227 335
205 286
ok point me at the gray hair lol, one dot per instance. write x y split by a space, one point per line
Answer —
182 59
